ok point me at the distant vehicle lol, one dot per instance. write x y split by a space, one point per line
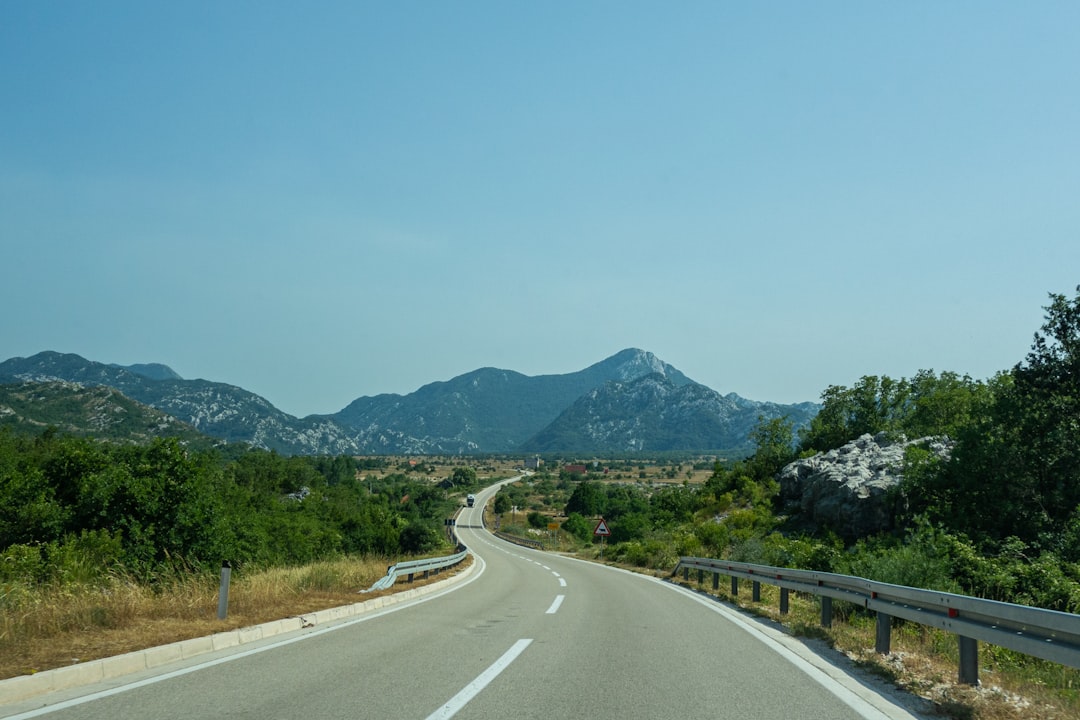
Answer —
470 500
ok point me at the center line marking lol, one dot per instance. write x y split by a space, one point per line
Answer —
562 582
555 605
451 708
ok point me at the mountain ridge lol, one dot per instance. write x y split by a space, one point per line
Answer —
488 410
651 413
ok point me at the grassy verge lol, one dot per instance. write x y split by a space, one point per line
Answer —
51 626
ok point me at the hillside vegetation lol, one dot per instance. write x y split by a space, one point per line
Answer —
76 509
999 519
98 411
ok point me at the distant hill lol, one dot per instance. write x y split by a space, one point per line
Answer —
492 410
653 414
100 412
483 411
153 371
220 410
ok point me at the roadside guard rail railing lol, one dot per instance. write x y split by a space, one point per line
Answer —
411 568
1046 634
525 542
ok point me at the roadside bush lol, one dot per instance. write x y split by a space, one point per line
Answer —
713 538
649 553
804 553
922 560
579 527
22 564
632 526
86 558
419 537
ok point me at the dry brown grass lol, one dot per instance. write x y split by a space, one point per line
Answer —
55 626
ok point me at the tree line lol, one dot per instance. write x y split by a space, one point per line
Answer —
76 506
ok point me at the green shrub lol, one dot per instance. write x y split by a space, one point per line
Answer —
922 560
579 527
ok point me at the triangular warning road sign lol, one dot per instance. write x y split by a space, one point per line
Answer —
601 529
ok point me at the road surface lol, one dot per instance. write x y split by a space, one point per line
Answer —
526 635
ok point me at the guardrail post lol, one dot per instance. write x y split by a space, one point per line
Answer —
755 591
969 660
734 585
223 591
686 574
826 611
700 576
716 581
783 601
410 577
884 631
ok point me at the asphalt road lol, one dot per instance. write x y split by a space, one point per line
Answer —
526 635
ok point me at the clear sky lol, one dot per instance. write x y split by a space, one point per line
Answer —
318 201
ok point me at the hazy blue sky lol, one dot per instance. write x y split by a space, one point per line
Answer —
319 201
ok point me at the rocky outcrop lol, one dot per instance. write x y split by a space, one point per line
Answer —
850 490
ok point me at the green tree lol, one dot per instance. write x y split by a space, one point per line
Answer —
502 503
588 499
1015 471
774 441
944 404
579 527
29 509
873 405
463 476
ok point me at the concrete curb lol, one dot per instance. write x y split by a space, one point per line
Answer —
24 687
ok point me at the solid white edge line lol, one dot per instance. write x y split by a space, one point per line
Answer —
471 690
844 694
555 605
73 702
843 687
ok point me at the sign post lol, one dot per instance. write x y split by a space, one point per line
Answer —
601 531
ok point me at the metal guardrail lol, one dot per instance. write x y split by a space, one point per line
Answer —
515 539
1046 634
426 566
412 567
524 542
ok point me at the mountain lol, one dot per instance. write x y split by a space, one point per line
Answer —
654 414
484 411
216 409
153 371
490 410
100 412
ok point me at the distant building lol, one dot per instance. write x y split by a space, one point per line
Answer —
533 463
578 469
